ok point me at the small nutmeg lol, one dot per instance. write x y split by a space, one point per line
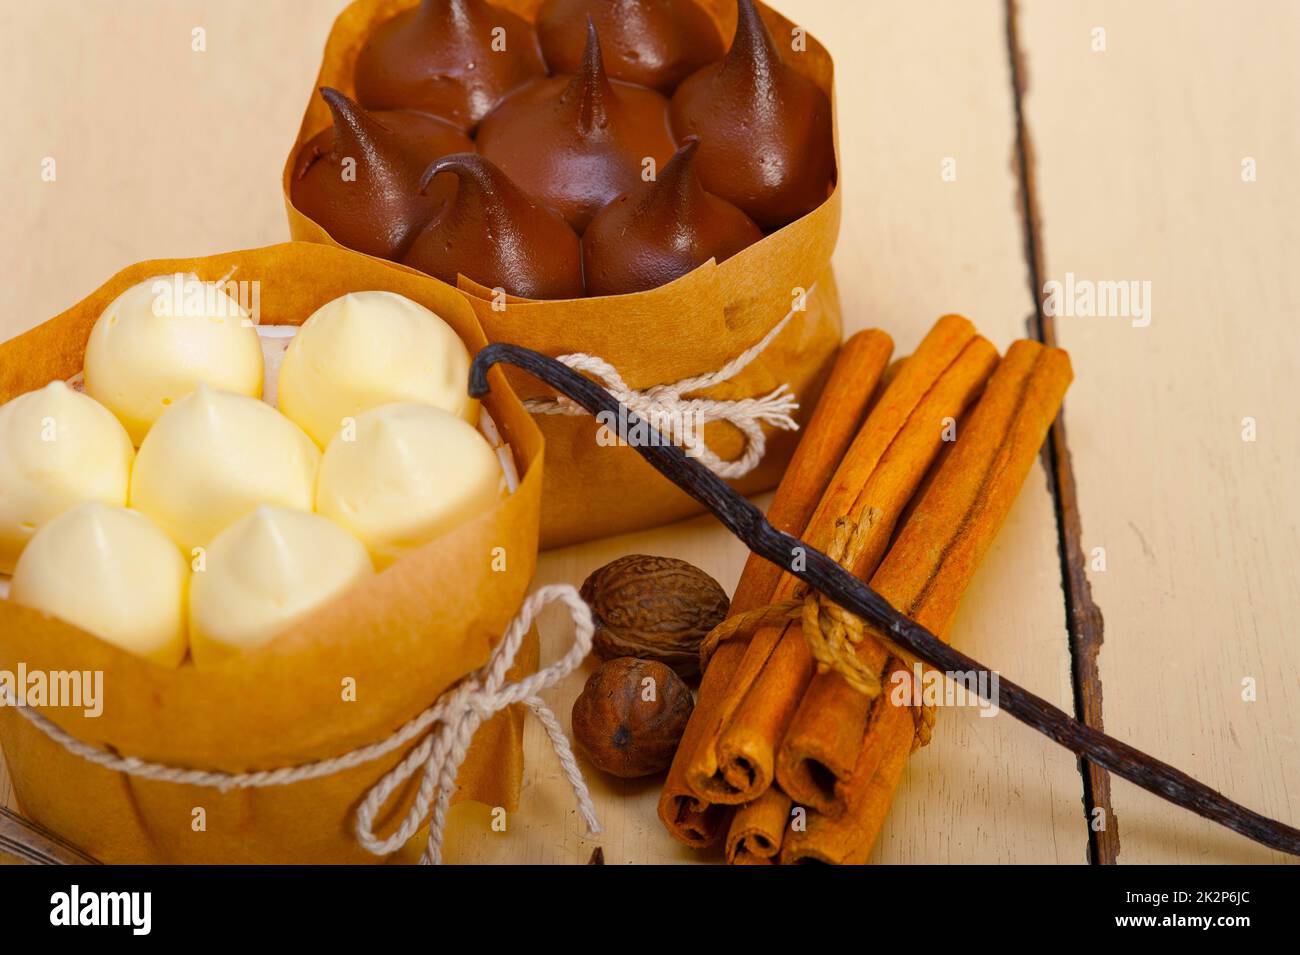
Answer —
630 717
655 608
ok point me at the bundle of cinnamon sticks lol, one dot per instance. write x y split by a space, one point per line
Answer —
916 467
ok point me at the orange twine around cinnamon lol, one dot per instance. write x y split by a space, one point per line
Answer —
831 632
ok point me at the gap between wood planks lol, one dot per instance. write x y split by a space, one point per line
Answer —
1083 618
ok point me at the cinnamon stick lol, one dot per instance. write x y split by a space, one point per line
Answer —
839 414
814 736
880 471
757 828
909 638
849 838
924 575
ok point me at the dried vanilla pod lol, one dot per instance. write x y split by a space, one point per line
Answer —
654 608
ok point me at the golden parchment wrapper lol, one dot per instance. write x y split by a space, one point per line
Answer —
401 638
692 326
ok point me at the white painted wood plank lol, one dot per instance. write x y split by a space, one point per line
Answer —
921 83
160 151
1140 154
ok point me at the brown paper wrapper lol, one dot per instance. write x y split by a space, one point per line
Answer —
692 326
403 637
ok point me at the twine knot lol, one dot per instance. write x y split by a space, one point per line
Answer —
458 713
831 632
681 419
478 698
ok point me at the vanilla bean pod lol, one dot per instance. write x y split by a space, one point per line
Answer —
820 572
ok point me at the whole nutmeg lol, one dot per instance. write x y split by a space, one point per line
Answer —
630 716
655 608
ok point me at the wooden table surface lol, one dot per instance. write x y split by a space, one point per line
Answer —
1105 141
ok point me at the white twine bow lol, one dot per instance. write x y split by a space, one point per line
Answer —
681 420
459 713
478 698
